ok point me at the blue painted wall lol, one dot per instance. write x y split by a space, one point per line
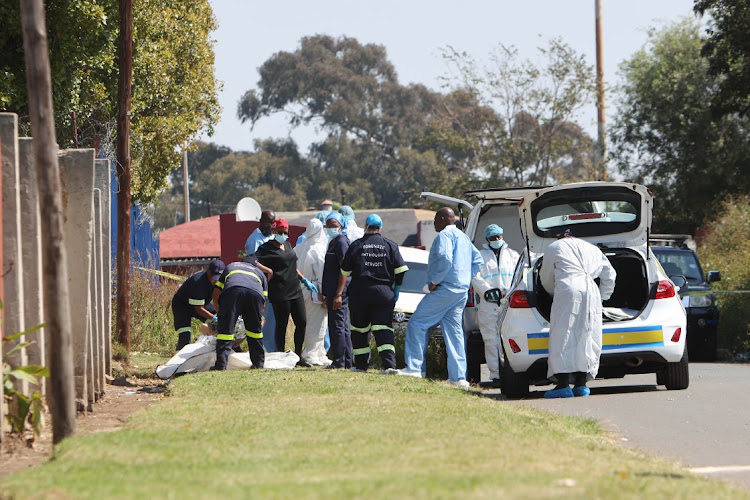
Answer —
144 249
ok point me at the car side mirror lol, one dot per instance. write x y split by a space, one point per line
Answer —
679 281
713 276
493 295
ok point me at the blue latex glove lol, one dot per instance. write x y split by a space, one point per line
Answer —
308 285
396 289
215 319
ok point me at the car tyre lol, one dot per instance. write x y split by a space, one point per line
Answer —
676 376
514 385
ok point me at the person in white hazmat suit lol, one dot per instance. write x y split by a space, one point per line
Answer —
353 231
496 274
568 271
310 260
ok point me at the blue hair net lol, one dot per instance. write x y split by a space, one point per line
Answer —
338 218
374 220
321 216
347 212
492 230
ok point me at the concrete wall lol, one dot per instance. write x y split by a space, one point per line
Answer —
31 247
86 186
102 182
13 308
77 176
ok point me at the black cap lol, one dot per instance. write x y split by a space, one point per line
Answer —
215 268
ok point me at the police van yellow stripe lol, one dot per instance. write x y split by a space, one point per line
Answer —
612 338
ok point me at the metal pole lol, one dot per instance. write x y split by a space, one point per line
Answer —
601 120
186 184
123 173
57 317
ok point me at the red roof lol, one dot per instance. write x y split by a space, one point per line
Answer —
197 238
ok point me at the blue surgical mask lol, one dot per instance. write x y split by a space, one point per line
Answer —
496 244
281 238
332 232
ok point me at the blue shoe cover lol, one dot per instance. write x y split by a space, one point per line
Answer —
581 391
565 392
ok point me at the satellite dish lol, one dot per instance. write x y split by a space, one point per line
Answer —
248 209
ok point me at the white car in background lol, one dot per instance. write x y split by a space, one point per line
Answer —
413 288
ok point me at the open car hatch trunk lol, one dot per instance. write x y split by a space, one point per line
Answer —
610 214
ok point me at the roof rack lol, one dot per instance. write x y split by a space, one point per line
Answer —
673 240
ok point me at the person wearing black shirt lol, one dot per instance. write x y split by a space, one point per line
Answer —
335 300
284 290
241 290
377 269
193 300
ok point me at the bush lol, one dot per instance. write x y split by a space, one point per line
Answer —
725 249
151 320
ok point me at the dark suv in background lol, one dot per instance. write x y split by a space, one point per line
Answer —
676 254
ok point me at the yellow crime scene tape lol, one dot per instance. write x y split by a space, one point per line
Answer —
175 277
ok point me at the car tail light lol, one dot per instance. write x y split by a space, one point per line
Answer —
518 300
513 346
664 290
470 300
676 336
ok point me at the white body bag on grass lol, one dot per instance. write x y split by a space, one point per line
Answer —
200 356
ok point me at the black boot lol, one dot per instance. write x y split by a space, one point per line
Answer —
183 340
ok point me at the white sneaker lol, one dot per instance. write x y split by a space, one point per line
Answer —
405 372
460 383
389 371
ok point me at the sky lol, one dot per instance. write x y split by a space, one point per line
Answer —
413 33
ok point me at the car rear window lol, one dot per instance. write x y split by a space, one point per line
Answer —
586 211
683 263
415 278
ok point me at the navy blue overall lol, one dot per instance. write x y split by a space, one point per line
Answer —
374 264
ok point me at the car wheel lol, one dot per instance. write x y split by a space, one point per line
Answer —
676 376
474 355
514 385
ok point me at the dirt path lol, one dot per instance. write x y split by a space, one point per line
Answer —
121 399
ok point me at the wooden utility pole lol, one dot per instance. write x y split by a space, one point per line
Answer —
601 120
185 184
56 300
123 173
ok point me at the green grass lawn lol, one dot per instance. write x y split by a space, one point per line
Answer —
333 434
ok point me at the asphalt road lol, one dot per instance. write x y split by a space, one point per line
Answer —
705 428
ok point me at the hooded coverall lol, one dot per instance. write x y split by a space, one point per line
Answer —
310 260
496 272
568 271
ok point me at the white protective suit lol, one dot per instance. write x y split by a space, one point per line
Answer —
311 255
353 231
568 271
496 272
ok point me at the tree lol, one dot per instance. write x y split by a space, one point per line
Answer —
665 136
174 90
728 50
529 137
351 92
